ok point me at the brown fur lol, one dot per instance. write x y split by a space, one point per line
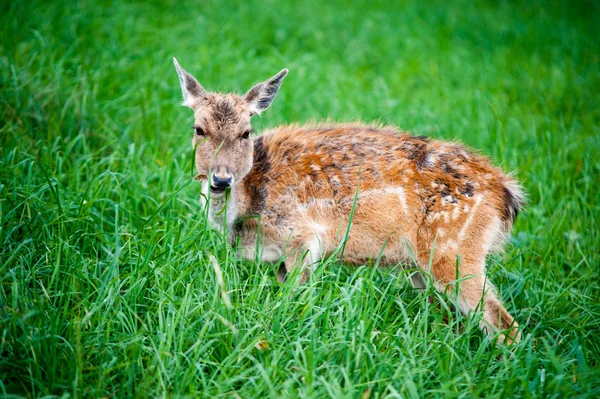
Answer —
295 188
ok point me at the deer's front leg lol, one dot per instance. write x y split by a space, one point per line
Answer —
251 248
304 254
270 253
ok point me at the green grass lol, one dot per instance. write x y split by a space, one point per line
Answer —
106 283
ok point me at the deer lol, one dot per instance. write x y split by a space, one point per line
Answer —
298 193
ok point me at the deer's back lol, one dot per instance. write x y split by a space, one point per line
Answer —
393 180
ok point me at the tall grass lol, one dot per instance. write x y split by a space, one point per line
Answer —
108 279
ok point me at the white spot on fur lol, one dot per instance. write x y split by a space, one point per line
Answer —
456 213
399 191
433 216
446 216
430 160
463 230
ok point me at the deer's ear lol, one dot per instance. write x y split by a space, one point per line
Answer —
191 89
261 96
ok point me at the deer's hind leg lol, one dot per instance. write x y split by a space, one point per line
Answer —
472 289
466 280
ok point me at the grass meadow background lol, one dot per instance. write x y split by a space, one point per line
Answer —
106 283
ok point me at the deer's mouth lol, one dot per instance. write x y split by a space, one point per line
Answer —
218 189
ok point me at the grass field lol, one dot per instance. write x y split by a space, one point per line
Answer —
106 283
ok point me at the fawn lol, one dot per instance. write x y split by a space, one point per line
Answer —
303 192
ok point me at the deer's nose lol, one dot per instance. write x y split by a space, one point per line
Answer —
221 181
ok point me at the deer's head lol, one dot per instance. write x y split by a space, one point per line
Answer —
221 129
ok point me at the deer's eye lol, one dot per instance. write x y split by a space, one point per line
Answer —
198 131
246 134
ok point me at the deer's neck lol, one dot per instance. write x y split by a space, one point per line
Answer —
222 210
